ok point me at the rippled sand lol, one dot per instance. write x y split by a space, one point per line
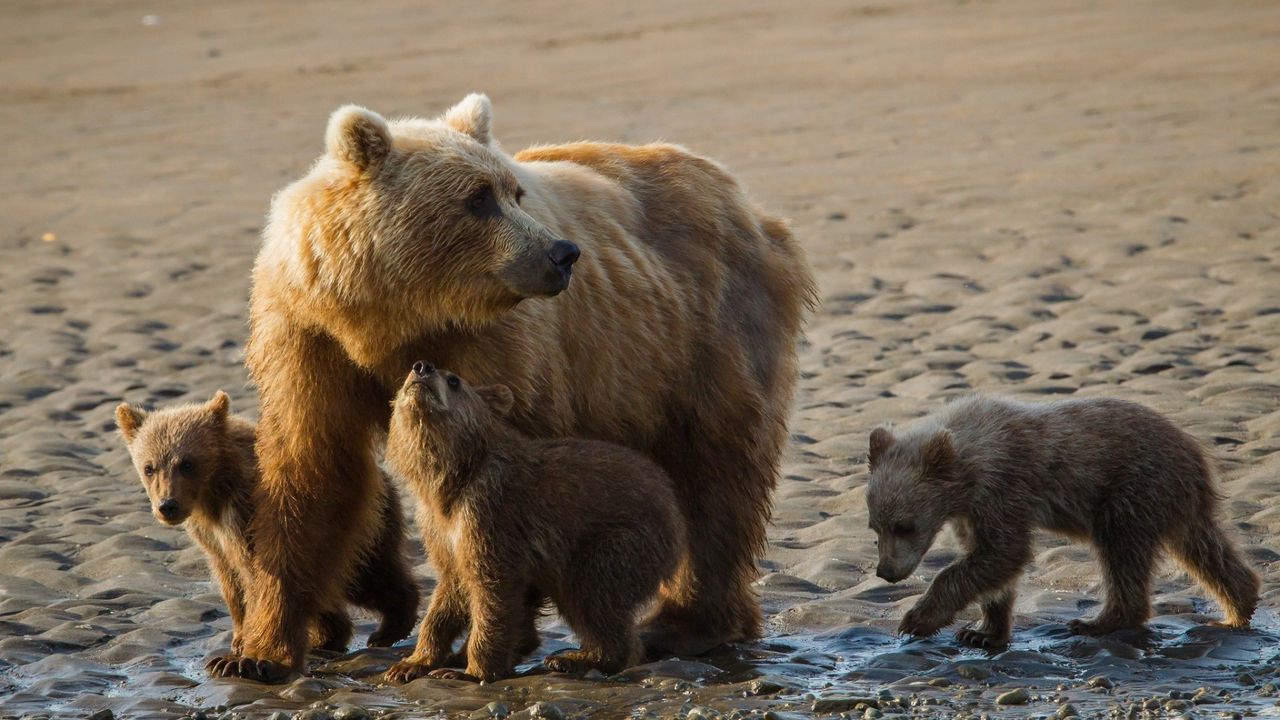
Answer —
1034 198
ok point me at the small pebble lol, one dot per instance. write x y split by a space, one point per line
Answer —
1017 696
546 710
350 712
1245 678
1066 711
104 713
495 709
51 237
872 713
1101 681
702 713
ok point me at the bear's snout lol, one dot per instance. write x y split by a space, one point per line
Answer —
422 369
169 509
890 574
563 254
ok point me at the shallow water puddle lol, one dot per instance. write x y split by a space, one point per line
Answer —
845 671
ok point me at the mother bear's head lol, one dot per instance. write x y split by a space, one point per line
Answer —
409 226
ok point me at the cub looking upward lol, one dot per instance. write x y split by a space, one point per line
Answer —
198 465
1109 472
511 521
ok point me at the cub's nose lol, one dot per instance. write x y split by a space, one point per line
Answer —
168 509
563 254
886 574
422 369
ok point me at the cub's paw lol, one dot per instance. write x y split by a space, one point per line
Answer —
572 661
921 622
407 671
383 638
263 671
979 639
452 674
1087 627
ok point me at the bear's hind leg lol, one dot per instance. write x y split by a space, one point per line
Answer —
1127 560
331 630
1213 561
724 493
994 631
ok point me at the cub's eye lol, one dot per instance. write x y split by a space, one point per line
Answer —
186 466
148 470
519 194
454 382
482 203
902 529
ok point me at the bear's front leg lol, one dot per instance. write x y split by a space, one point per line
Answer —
996 560
447 617
996 627
499 619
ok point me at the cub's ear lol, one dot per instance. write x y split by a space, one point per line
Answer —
498 397
881 439
939 453
129 419
358 136
472 116
219 405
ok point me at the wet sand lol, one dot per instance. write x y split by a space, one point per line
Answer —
1039 199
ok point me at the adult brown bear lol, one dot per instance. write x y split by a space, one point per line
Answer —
421 239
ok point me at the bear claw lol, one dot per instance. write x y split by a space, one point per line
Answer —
452 674
234 666
407 671
979 639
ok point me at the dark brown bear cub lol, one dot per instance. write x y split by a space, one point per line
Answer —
510 522
198 465
1108 472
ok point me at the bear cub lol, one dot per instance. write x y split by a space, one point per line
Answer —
511 522
199 467
1109 472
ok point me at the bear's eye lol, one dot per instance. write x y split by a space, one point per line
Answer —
186 466
902 529
482 203
519 194
148 470
454 383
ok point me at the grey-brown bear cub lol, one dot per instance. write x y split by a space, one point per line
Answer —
511 521
1109 472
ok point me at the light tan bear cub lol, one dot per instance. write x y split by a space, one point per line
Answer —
198 465
1109 472
511 522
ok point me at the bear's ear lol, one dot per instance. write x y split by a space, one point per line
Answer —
472 116
358 136
129 419
881 440
498 397
219 405
939 453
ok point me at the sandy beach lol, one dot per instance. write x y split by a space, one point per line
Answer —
1038 199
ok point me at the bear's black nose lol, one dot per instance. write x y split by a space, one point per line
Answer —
563 254
168 508
422 369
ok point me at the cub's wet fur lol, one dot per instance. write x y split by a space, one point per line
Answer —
1109 472
198 465
511 521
